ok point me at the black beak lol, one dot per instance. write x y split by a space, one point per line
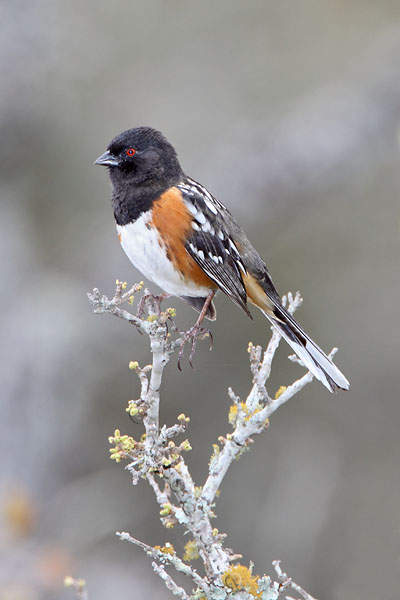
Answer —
107 160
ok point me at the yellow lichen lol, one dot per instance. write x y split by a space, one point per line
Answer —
233 413
167 549
191 551
280 391
240 578
249 415
232 416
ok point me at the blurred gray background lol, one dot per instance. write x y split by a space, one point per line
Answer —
289 113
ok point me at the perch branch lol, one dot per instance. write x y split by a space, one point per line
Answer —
287 582
158 459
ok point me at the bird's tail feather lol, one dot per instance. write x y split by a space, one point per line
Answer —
311 355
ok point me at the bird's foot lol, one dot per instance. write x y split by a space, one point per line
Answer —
197 332
155 301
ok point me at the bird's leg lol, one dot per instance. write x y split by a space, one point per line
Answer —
196 332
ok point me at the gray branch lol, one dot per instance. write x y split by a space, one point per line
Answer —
159 460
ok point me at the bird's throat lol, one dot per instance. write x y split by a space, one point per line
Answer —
130 202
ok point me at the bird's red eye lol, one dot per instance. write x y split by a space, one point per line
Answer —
131 152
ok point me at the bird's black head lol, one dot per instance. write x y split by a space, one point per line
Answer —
141 157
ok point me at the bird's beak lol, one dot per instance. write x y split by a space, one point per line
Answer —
107 160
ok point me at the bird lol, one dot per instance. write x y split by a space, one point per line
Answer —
180 237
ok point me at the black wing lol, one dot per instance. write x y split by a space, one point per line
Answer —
210 244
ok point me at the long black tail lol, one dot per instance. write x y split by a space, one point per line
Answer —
312 356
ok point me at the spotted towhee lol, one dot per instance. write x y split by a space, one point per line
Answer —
184 240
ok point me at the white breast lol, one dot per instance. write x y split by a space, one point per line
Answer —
147 253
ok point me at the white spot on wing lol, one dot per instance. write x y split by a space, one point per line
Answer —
210 206
207 227
192 209
232 245
200 217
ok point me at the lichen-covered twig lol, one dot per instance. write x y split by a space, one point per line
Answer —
157 458
169 582
287 582
251 416
166 555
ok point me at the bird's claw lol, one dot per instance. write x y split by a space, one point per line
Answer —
195 333
155 299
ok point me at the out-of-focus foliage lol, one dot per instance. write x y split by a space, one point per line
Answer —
289 113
